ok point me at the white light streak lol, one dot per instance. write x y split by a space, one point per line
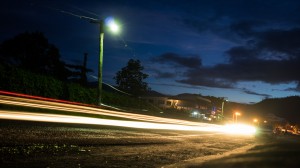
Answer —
89 110
143 121
27 116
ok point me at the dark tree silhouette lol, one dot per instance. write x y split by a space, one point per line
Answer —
33 52
130 78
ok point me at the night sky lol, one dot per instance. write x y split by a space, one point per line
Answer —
245 50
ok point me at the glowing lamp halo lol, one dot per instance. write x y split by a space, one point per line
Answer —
112 24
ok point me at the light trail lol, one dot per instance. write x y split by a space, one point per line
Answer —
144 121
88 110
57 118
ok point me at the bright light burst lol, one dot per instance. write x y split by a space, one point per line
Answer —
239 129
111 23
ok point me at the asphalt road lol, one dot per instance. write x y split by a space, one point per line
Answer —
76 135
45 144
40 144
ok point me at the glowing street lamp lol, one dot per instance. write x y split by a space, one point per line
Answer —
113 26
255 121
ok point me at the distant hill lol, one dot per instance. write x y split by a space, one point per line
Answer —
288 107
152 93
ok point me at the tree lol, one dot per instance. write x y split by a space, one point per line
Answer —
130 78
33 52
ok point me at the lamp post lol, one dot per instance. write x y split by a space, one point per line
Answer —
114 28
234 116
224 100
110 22
237 114
255 120
100 65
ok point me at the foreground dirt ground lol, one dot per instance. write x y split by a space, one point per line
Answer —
27 144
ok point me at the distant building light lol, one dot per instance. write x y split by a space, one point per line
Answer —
195 113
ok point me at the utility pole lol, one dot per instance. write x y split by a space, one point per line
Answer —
100 63
100 66
83 78
114 28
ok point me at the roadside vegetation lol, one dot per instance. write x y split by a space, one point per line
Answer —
21 81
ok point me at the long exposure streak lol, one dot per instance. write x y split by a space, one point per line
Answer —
27 116
140 121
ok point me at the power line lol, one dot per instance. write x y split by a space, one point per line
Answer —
94 20
85 10
111 86
68 12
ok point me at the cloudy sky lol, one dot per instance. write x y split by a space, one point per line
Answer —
245 50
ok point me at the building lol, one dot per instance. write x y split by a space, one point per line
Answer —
197 106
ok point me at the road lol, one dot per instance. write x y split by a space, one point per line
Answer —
75 135
41 144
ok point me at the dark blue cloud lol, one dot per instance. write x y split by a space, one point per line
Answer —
262 61
184 61
255 93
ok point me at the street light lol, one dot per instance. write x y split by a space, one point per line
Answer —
110 22
113 26
237 114
255 120
223 107
234 116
